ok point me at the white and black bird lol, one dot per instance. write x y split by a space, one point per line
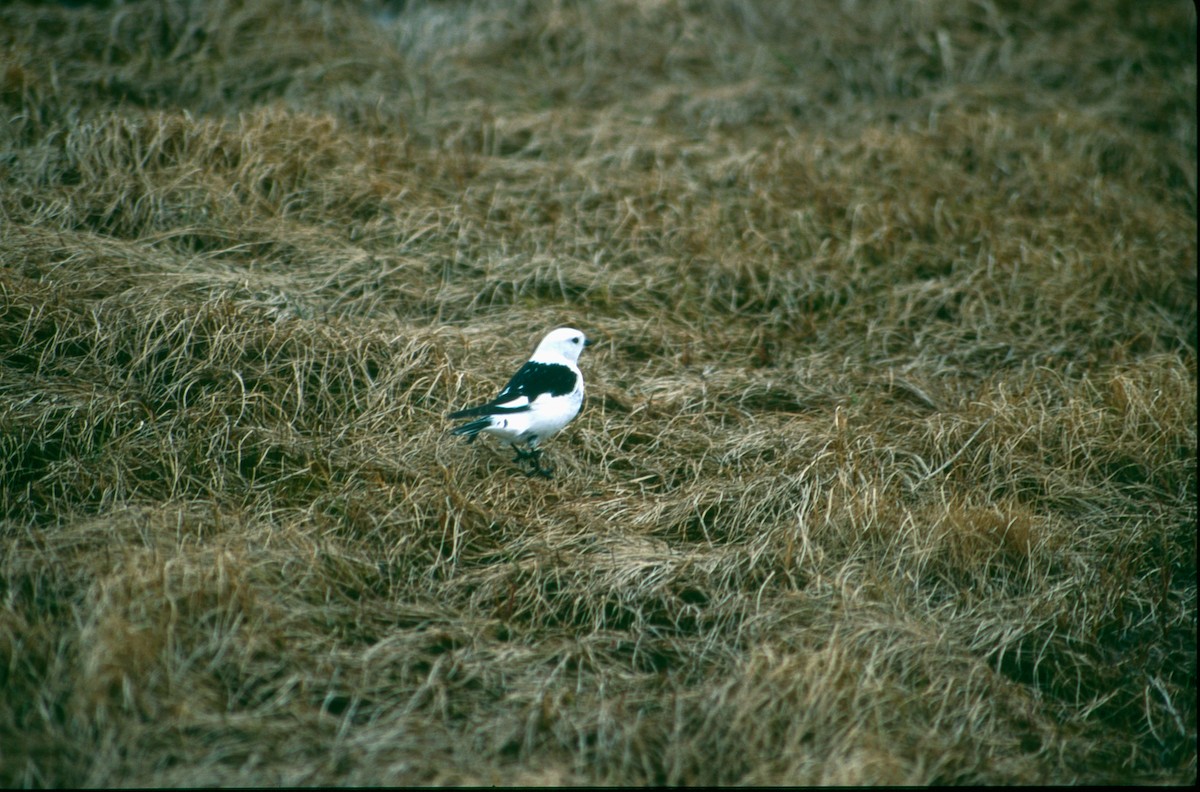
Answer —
540 399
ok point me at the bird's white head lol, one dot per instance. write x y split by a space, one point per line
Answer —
562 343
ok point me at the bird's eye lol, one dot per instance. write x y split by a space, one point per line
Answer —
575 340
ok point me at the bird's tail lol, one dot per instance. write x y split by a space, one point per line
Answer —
467 413
473 428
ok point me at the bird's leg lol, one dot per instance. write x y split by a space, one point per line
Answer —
533 456
536 469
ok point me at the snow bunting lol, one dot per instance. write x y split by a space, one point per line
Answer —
540 399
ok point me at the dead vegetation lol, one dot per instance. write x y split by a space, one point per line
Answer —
887 472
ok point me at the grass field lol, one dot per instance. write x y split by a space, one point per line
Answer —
887 470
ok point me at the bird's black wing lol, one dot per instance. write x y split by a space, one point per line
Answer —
530 381
535 379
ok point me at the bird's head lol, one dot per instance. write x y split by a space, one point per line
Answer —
564 342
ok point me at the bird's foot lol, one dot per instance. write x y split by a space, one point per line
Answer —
534 457
538 470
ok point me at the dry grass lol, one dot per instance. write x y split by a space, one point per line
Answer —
888 468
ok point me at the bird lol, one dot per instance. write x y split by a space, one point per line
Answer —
543 396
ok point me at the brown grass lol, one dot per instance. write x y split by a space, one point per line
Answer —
887 472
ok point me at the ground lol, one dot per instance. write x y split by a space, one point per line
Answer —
887 468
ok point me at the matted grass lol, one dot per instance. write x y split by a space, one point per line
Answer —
887 471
